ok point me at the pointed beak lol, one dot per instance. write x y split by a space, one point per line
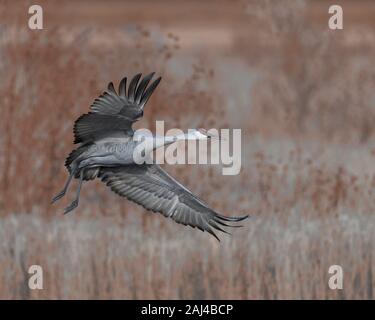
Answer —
210 135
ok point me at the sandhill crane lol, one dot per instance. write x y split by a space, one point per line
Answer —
106 151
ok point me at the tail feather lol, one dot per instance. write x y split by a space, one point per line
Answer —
74 155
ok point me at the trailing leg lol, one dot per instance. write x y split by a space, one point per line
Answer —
74 204
63 191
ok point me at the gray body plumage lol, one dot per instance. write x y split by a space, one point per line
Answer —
106 152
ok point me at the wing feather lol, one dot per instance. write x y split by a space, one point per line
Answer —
142 86
133 87
151 187
122 88
147 94
113 108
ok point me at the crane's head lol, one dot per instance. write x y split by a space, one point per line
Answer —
204 134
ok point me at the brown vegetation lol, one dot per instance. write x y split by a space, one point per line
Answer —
303 97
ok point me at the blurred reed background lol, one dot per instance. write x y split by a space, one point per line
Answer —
302 94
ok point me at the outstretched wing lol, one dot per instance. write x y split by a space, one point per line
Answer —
112 114
151 187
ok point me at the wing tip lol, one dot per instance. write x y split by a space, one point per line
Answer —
111 87
222 220
233 219
213 234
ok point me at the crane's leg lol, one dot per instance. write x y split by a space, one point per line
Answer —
63 191
74 204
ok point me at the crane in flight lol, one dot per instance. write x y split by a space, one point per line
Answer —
107 147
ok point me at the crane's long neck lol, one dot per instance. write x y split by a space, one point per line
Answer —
160 141
154 142
150 143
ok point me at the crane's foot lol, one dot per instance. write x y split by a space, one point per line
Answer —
58 196
71 207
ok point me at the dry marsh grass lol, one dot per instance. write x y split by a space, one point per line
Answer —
303 98
105 259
